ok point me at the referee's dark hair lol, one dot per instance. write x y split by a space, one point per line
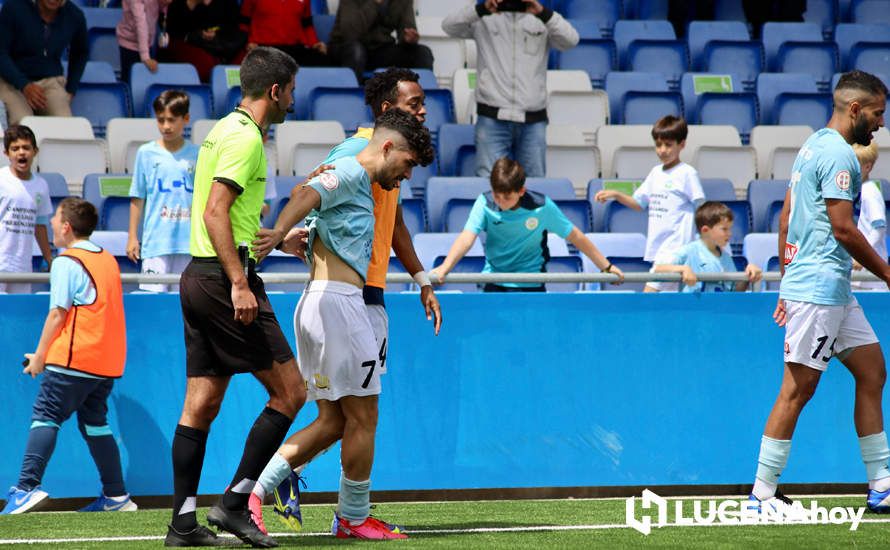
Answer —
415 133
507 176
263 67
384 86
80 214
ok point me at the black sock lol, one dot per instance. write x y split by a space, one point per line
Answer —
263 440
189 445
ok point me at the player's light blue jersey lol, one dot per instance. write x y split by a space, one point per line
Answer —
817 267
345 218
698 257
165 181
516 240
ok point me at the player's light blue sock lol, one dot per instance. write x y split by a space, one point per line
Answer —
773 457
273 474
875 453
354 502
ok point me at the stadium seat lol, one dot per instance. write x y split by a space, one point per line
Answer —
774 215
440 190
767 139
395 266
449 53
823 13
668 57
777 33
568 80
597 57
646 9
301 145
468 264
73 158
621 219
627 31
101 102
781 162
759 248
557 188
613 136
741 223
871 57
578 212
647 107
426 77
115 214
569 155
700 33
605 12
693 85
736 163
761 194
701 135
109 193
632 245
735 57
280 262
309 78
819 59
729 10
801 108
588 29
770 85
323 24
634 162
465 161
58 127
95 72
173 75
463 89
419 176
436 8
439 109
619 84
345 105
586 109
202 127
849 34
200 99
222 79
718 189
563 264
414 216
103 46
124 133
628 265
451 138
869 11
58 187
736 109
430 246
104 18
456 214
597 210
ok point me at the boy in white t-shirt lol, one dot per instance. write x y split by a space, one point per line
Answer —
671 193
25 208
163 182
872 212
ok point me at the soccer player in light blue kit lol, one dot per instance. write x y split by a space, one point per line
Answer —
335 338
822 319
162 187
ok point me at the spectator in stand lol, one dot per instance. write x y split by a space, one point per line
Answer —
204 33
362 36
33 36
285 25
136 33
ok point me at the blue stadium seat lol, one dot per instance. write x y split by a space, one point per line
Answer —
772 265
440 190
668 57
740 262
598 57
734 57
819 59
588 29
58 190
618 84
126 265
871 11
439 109
823 13
309 78
172 75
93 192
777 33
414 216
736 109
451 138
564 264
773 215
741 223
693 85
456 214
466 160
101 102
718 189
621 219
646 9
700 33
605 12
648 107
232 99
467 264
105 18
426 77
222 79
761 194
555 188
279 262
729 10
95 72
103 47
395 266
800 108
200 99
770 85
578 212
626 31
345 105
115 214
871 57
419 176
848 34
323 23
628 265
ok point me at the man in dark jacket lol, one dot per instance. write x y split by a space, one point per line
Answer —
33 36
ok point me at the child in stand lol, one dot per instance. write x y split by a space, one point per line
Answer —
872 213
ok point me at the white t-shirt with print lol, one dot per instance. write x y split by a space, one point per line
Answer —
22 204
670 196
873 224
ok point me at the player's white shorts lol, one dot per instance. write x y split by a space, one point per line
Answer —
815 333
336 348
161 265
380 323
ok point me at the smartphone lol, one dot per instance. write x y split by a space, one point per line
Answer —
512 5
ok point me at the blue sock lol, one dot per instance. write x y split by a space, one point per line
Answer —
106 455
276 471
875 453
38 450
772 460
354 503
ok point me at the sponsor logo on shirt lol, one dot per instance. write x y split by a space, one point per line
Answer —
531 224
842 180
329 180
790 252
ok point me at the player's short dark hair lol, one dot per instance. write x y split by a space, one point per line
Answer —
670 127
262 67
384 86
710 213
17 132
415 133
862 81
175 100
80 214
507 176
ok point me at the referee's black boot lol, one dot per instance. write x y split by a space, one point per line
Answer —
199 536
240 524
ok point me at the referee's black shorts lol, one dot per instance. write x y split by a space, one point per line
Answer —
215 343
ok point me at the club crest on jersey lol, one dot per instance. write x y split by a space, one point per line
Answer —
531 224
842 180
329 180
790 252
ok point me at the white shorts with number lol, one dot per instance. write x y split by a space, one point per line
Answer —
380 323
161 265
815 333
336 347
